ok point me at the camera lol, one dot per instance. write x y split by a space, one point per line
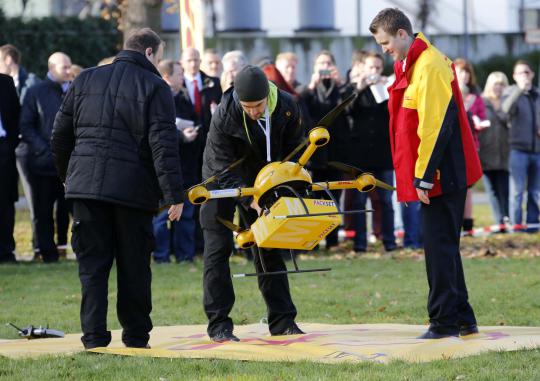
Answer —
373 78
325 73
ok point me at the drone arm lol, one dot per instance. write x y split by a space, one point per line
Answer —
318 137
333 185
364 183
233 192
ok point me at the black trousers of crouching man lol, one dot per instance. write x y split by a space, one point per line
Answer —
448 300
219 296
103 232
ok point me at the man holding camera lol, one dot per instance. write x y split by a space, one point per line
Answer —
323 93
369 145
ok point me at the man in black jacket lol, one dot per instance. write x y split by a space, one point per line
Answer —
323 93
182 233
369 147
39 108
116 148
251 114
10 63
9 132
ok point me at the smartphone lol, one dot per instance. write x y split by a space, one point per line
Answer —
373 78
325 73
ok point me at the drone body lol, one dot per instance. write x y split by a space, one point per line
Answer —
293 216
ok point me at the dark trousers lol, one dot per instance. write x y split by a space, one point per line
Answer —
448 304
329 175
48 191
498 186
8 187
219 296
101 233
385 201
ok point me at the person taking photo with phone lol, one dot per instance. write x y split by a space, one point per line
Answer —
323 93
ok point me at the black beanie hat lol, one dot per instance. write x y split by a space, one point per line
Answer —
251 84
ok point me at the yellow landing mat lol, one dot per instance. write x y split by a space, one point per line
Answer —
321 343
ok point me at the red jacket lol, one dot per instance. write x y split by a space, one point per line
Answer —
432 144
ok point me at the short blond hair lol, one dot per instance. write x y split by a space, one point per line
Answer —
492 79
287 56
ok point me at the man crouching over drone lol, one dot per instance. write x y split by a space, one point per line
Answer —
258 121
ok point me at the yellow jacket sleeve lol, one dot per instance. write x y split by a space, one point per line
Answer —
437 113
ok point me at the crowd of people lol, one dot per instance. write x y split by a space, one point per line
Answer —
112 144
503 120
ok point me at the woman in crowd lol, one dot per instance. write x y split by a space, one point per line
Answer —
494 147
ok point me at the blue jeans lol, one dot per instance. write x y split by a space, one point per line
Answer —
182 233
412 225
385 196
525 174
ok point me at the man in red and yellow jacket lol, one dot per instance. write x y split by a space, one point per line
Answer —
435 162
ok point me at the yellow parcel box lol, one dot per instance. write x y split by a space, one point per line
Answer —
274 231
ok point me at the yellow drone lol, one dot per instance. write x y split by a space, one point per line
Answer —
293 217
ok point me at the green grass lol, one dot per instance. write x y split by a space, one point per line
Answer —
377 289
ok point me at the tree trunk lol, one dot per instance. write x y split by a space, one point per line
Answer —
137 14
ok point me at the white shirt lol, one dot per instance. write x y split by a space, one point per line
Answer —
189 85
404 64
266 129
16 80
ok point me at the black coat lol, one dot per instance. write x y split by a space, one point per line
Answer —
369 144
41 103
494 147
115 139
9 112
227 140
190 152
320 102
26 80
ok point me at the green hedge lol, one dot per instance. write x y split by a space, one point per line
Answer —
506 65
85 41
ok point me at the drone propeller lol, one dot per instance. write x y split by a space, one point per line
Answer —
296 150
213 178
349 169
329 118
326 121
229 225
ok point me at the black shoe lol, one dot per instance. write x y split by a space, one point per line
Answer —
146 346
88 346
224 336
430 335
465 330
292 330
10 258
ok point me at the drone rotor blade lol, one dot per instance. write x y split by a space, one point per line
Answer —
329 118
296 150
229 224
383 185
213 178
346 168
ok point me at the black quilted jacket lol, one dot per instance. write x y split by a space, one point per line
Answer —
114 138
